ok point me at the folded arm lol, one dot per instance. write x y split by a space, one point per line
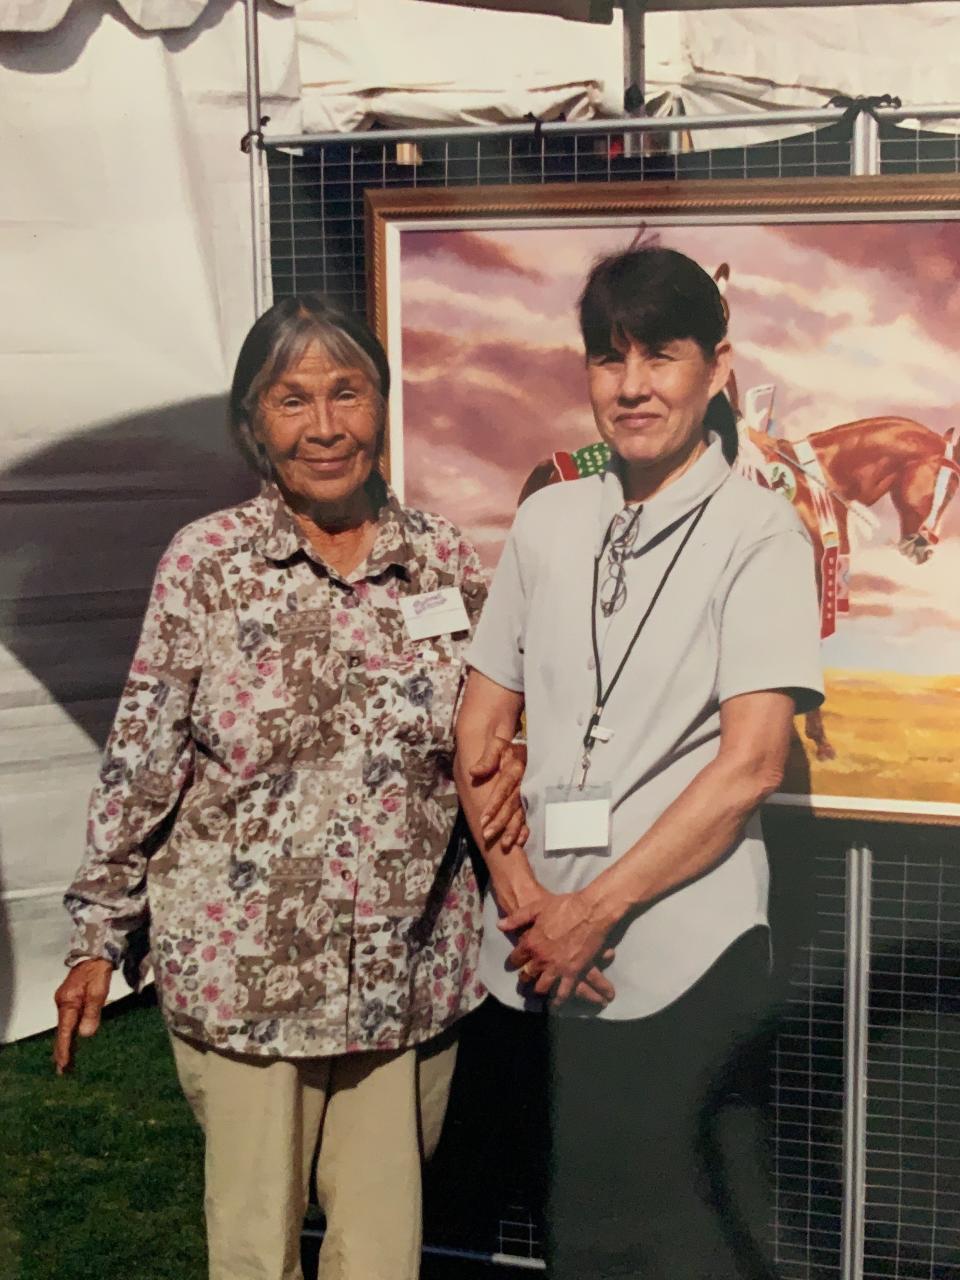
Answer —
687 841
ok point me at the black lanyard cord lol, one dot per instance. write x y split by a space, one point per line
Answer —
603 696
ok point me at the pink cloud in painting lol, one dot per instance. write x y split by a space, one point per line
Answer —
479 251
845 320
922 267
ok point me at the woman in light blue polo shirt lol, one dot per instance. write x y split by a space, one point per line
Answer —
659 624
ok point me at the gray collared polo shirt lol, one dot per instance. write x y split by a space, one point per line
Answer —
738 615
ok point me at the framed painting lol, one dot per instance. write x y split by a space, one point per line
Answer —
844 305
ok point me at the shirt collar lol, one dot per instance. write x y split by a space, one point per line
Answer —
281 539
696 484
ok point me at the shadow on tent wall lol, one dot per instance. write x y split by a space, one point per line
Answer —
83 522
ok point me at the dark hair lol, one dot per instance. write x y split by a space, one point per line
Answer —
721 419
278 339
654 296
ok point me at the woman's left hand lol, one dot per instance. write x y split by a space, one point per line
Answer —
503 818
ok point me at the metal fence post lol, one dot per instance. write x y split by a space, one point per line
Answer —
855 1020
255 158
634 72
865 145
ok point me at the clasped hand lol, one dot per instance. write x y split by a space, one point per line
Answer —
561 942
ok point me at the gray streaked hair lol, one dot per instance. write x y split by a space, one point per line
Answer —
277 342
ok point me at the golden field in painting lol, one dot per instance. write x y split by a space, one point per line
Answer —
895 738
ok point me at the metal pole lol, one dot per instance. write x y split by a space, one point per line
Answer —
626 124
932 111
633 47
460 1255
855 1031
634 73
255 155
865 145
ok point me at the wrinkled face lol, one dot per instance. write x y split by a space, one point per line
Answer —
649 405
320 424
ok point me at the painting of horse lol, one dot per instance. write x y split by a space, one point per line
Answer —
845 325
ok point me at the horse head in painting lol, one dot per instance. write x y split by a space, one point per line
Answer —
920 533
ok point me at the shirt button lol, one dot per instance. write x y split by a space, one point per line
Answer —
354 729
590 664
580 719
354 660
351 798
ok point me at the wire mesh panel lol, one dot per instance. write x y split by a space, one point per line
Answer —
913 1093
909 151
808 907
316 198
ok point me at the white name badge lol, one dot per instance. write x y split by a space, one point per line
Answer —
434 613
577 818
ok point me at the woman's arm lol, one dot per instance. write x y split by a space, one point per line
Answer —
694 833
501 762
565 934
489 714
147 764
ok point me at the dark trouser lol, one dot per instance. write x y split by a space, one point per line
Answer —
657 1160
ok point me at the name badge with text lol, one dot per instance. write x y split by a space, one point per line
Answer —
577 818
434 613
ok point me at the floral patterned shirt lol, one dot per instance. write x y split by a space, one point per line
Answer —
276 792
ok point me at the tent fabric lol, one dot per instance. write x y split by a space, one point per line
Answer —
405 62
402 63
148 15
741 61
126 257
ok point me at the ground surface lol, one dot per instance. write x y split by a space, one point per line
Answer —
101 1172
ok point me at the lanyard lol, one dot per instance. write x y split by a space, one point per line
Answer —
595 732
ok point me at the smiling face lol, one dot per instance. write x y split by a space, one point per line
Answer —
320 424
649 404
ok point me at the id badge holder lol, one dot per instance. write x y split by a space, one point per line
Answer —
577 819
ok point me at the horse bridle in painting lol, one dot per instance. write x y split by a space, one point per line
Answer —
930 529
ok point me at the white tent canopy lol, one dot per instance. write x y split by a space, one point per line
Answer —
148 15
748 60
403 62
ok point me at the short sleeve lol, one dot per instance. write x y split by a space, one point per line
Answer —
770 623
497 648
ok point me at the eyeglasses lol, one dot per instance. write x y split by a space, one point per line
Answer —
623 539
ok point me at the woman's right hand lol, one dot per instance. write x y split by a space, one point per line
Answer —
594 987
79 999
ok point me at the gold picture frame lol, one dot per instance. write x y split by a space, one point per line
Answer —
840 293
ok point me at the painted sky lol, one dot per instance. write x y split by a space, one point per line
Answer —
847 320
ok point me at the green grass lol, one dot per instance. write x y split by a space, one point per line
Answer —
101 1172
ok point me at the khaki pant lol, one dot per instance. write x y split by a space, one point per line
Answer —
366 1116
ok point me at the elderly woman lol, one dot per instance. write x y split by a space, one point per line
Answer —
277 797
